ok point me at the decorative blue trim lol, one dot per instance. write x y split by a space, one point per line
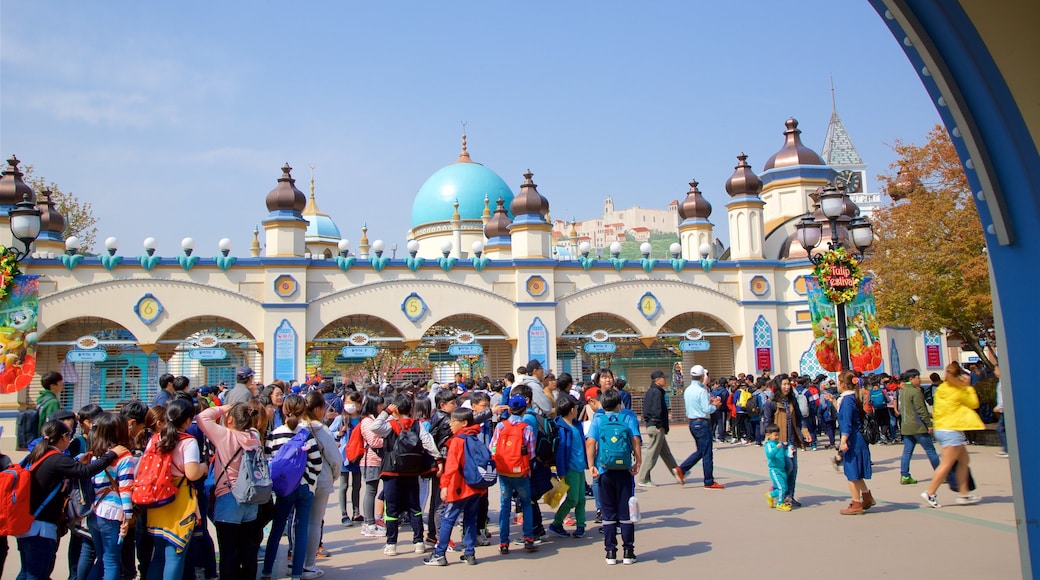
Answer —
529 219
796 171
647 264
277 282
379 262
70 261
618 263
586 262
447 264
285 215
751 285
479 263
284 306
527 285
708 263
695 222
225 262
745 199
148 262
187 262
414 263
345 263
110 262
794 329
535 304
678 264
772 302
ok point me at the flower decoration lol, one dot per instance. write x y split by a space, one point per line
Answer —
8 271
839 275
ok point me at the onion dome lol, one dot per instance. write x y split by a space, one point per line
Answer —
285 197
793 152
465 181
12 188
743 182
52 223
498 226
694 206
529 202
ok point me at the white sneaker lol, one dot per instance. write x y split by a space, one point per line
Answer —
420 548
646 484
932 500
312 573
968 499
1001 454
390 550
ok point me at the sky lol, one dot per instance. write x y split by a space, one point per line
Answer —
173 119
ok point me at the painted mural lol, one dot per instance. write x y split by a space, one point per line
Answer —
861 319
18 312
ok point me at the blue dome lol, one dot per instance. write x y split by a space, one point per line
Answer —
321 227
466 181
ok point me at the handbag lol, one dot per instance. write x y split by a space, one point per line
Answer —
176 520
554 496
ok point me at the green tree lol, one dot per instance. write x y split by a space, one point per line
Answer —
79 215
929 260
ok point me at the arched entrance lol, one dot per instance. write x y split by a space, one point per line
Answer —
114 369
207 350
697 338
361 347
600 340
469 344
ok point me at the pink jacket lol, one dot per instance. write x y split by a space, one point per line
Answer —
373 442
227 442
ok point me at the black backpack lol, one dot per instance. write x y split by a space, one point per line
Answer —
547 440
869 429
27 428
404 453
753 406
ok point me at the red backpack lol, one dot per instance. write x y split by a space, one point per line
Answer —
15 483
153 482
511 453
355 445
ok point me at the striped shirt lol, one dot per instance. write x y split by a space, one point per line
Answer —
281 436
115 505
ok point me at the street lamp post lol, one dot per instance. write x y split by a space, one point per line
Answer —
832 202
25 226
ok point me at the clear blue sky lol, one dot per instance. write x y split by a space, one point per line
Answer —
174 118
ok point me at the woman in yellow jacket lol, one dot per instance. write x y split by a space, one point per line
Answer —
953 414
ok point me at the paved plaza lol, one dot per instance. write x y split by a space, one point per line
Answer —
731 533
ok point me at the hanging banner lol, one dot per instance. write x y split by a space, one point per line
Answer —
862 324
538 341
285 352
19 307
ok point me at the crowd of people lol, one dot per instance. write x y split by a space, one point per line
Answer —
140 488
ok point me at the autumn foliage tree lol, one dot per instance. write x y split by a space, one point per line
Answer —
79 214
929 261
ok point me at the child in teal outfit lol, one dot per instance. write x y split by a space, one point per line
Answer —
570 465
777 474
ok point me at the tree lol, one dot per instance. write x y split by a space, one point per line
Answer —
79 215
929 261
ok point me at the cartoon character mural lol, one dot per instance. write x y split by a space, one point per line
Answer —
18 335
861 325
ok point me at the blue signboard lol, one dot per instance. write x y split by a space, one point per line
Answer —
75 356
694 345
538 341
359 352
207 354
465 349
600 347
285 352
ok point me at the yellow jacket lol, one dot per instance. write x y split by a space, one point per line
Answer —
955 409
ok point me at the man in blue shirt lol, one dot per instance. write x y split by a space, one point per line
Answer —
699 408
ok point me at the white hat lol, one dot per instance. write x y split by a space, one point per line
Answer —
698 371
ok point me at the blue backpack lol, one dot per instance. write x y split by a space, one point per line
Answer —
877 398
289 464
478 468
615 443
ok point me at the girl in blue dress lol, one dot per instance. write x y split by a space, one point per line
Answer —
855 453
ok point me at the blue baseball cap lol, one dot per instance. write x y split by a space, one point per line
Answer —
517 402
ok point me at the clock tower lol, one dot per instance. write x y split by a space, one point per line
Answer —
851 173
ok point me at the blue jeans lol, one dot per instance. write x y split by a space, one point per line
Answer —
791 468
1002 433
104 534
466 507
38 555
909 443
167 563
522 487
301 500
701 432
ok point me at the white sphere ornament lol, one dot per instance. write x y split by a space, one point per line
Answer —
187 244
344 245
615 248
645 248
224 244
675 248
149 243
705 250
111 243
377 246
413 246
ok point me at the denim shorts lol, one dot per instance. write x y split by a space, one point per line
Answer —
948 438
229 511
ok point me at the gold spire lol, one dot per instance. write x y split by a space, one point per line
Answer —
312 206
455 217
573 234
254 248
464 154
486 216
364 234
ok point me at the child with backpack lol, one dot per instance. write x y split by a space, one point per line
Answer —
171 461
546 443
34 516
234 431
350 471
460 490
408 452
617 457
317 405
295 464
570 466
371 461
440 428
112 510
513 446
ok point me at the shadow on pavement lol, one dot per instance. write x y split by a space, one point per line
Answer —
669 553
